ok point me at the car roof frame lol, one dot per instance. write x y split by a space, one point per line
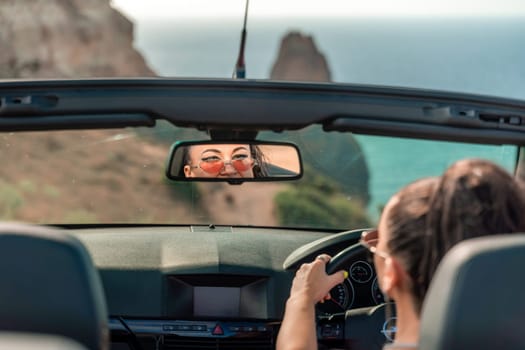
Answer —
243 107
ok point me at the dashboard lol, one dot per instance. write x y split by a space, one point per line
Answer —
214 286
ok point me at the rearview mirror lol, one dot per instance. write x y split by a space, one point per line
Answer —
233 161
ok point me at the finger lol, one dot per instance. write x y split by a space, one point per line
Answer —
324 257
338 277
325 298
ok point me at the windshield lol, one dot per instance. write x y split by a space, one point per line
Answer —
117 176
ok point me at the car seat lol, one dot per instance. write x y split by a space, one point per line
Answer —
48 285
31 341
476 298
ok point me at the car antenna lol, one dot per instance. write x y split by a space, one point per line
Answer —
240 69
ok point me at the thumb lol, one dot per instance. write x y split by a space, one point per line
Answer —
337 278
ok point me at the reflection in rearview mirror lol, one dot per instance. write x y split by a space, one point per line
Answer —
234 162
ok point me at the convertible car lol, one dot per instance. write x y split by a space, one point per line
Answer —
127 250
173 213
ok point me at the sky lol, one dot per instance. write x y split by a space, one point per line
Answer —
151 9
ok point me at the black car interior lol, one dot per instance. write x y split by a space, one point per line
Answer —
206 286
221 300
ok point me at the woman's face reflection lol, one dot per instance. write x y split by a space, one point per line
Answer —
219 160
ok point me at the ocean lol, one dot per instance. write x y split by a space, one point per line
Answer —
481 56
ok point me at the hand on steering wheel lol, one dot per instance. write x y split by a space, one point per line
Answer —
312 281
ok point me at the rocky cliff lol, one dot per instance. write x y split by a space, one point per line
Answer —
66 38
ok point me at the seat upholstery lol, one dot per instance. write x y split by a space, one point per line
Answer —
476 299
32 341
48 285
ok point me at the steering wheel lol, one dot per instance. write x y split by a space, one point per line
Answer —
364 328
339 260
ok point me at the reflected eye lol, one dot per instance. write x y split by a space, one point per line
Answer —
211 159
239 157
241 162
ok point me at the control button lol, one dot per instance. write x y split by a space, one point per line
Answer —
262 329
248 329
168 328
199 328
217 330
234 328
185 327
331 331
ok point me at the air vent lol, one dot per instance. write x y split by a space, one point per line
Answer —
501 119
211 228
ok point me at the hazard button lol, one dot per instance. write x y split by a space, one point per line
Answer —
217 330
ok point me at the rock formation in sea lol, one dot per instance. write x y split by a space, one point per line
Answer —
299 59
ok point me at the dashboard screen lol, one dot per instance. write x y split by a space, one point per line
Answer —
216 301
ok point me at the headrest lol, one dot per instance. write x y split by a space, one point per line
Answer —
475 300
32 341
48 284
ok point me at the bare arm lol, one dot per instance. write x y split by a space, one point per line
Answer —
298 327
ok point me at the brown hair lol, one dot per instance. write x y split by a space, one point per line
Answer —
472 198
406 220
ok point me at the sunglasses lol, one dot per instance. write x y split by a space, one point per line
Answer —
214 164
370 239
